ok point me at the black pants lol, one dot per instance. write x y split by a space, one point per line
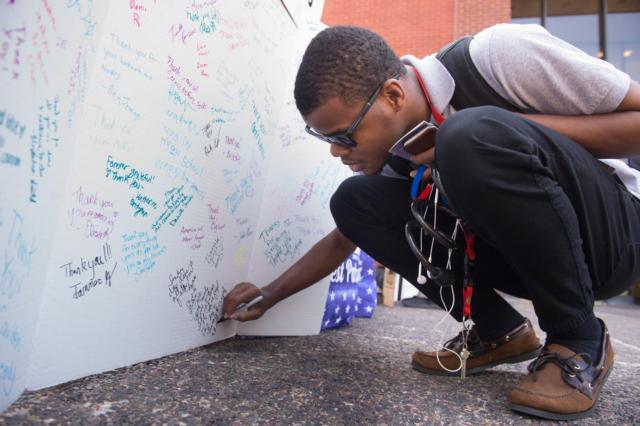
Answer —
552 223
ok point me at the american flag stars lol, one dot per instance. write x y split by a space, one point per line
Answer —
352 292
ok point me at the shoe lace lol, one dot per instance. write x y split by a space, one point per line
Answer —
456 343
566 364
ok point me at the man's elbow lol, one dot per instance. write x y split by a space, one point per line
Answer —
631 101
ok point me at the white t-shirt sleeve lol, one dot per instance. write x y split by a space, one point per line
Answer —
536 71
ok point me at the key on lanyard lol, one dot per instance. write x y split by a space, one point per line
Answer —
464 354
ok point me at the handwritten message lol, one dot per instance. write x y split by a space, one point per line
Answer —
287 136
11 334
244 229
14 126
326 177
90 272
183 121
11 49
17 260
11 123
192 236
204 305
232 148
140 251
122 172
305 192
7 377
121 100
175 143
213 137
142 204
138 10
120 57
281 244
205 20
233 33
84 8
181 283
9 159
258 129
243 190
77 85
175 202
92 214
40 50
216 252
215 223
44 142
185 86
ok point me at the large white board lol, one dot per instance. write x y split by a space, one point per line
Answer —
151 157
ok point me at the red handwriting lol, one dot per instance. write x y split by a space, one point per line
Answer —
214 218
201 50
49 13
137 9
202 67
40 43
192 236
183 83
233 148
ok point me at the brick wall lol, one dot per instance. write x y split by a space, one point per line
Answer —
418 27
470 16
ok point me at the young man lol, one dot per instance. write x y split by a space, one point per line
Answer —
553 224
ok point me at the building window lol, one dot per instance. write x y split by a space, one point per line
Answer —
576 22
526 11
623 36
608 29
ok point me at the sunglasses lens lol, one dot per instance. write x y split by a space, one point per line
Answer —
344 141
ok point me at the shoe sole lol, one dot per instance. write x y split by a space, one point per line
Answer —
559 416
514 360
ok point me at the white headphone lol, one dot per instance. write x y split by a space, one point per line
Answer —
421 278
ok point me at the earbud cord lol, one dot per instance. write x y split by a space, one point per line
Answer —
421 278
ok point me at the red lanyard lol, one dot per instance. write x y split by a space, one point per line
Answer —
470 238
436 115
439 120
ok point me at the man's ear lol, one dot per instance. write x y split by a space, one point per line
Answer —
394 94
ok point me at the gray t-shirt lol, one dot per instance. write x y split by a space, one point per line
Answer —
536 71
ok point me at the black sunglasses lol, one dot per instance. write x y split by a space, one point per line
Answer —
346 138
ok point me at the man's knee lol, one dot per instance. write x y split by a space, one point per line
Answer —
471 147
464 134
474 141
345 198
370 201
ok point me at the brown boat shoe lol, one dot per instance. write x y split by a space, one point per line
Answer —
563 385
517 345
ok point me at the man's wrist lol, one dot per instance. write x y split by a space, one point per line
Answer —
270 295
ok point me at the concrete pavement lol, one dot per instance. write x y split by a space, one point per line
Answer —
359 374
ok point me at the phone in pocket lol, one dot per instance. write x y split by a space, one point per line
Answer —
417 140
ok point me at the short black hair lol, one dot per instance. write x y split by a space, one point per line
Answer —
345 61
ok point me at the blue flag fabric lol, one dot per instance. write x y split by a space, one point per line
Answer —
352 291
